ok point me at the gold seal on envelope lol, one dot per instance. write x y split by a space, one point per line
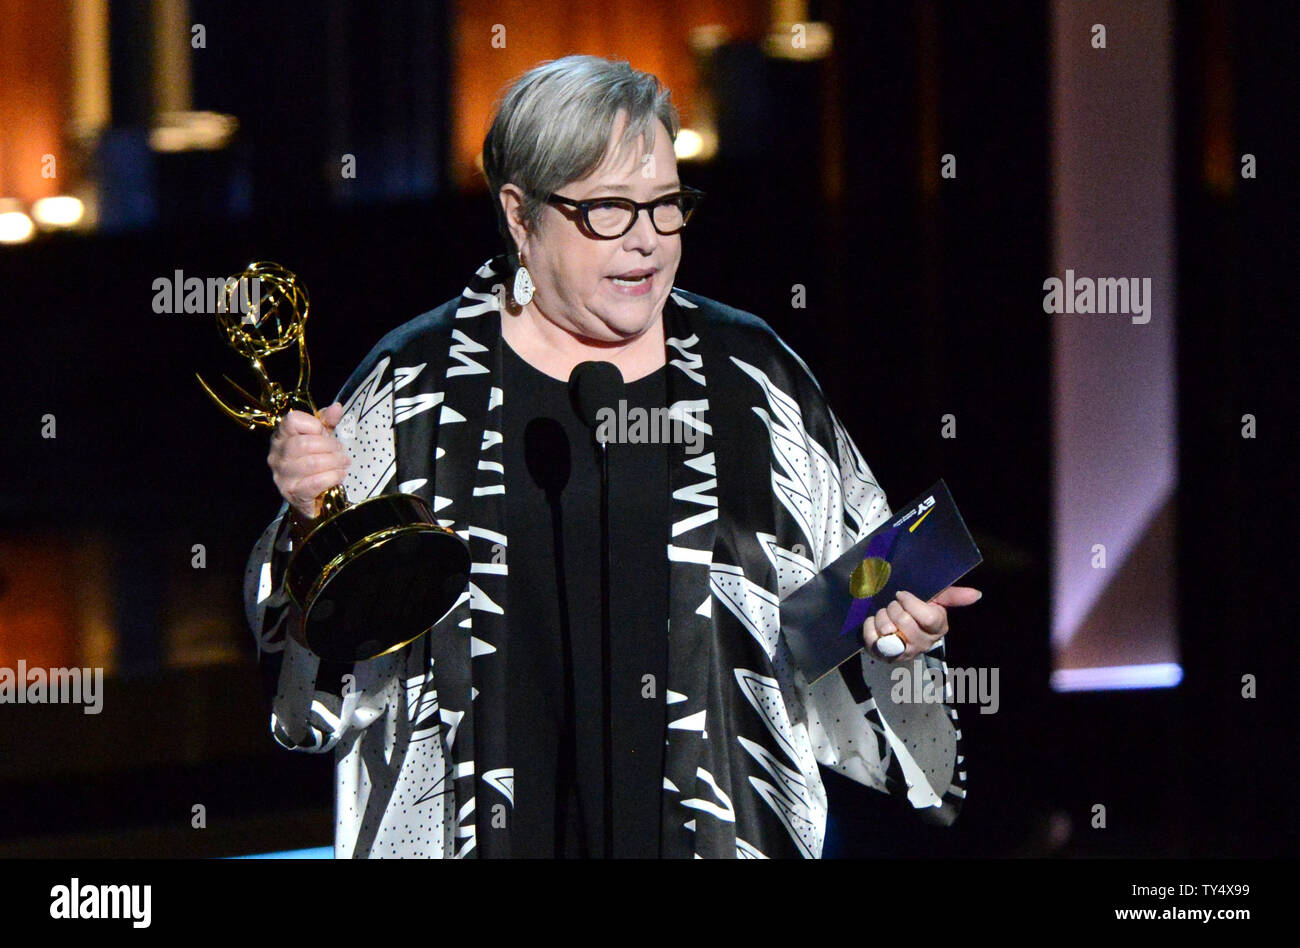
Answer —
869 577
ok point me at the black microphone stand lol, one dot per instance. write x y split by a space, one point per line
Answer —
606 658
594 385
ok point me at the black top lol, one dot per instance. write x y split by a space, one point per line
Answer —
555 704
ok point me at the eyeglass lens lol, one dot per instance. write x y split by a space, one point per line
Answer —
613 218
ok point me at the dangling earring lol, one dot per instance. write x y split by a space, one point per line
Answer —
524 288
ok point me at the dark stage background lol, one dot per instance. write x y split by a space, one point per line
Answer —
924 298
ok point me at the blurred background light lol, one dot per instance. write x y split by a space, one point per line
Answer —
60 211
192 131
15 225
1163 675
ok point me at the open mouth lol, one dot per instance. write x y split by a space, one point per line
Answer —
633 278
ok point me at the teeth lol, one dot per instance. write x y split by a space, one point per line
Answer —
633 282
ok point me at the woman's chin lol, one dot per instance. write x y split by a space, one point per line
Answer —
622 324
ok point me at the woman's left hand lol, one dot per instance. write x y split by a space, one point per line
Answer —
907 626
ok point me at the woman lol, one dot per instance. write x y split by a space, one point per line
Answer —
491 735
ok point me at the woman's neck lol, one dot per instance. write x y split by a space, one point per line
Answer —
555 351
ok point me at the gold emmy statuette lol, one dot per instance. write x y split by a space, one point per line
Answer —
370 577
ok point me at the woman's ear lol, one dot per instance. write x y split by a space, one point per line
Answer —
512 205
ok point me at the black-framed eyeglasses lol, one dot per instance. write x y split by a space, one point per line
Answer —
608 218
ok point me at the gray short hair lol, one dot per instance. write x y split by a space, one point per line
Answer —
553 125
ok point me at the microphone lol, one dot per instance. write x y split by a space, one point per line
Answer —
593 386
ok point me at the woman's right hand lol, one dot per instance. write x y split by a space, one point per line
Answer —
306 459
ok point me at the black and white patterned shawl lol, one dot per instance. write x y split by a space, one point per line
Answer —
777 492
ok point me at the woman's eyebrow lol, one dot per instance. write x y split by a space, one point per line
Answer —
663 189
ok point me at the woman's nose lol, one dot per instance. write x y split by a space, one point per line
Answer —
643 233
